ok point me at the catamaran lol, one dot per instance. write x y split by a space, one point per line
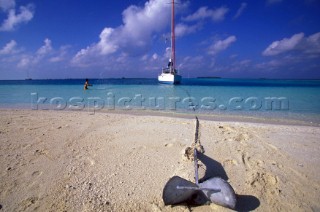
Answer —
170 74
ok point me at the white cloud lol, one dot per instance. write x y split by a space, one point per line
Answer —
46 48
9 48
240 10
298 43
134 36
61 54
183 29
312 44
25 15
7 4
14 56
39 55
42 51
24 61
106 46
284 45
299 49
203 13
221 45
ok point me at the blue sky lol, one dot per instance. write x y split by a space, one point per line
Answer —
104 39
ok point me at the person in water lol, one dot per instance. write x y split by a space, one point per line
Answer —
86 84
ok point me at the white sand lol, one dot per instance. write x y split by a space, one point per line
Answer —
74 161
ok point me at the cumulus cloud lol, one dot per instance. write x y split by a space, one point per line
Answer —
183 29
240 10
134 36
311 44
24 15
221 45
41 53
60 55
24 61
106 46
203 13
9 48
298 43
46 48
7 4
15 56
284 45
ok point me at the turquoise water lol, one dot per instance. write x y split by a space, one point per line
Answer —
293 99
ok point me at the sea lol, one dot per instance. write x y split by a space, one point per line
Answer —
292 100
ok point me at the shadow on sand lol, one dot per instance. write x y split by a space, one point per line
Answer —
247 203
215 169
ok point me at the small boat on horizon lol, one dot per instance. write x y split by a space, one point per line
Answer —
170 74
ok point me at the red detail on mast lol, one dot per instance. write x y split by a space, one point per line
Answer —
173 43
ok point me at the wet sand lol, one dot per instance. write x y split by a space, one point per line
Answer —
76 161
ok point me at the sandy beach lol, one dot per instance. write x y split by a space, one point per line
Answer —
77 161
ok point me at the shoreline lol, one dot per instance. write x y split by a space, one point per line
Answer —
245 118
74 161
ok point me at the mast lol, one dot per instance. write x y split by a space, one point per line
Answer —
173 43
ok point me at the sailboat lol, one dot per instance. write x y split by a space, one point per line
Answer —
170 74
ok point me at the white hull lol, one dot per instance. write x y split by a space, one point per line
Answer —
169 78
